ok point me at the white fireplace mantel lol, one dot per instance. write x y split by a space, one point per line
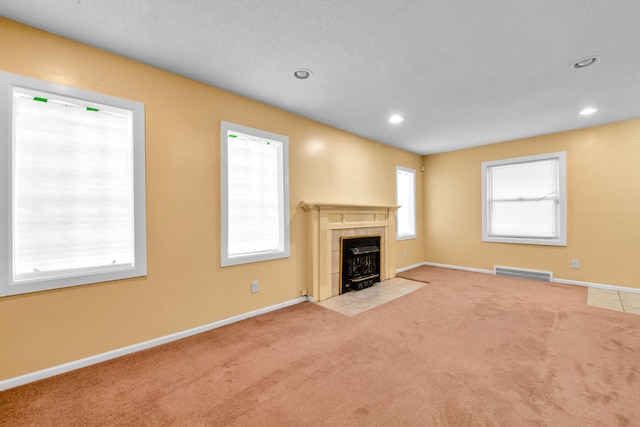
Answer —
327 221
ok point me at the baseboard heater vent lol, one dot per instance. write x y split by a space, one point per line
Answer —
544 276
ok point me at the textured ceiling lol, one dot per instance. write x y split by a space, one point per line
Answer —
462 73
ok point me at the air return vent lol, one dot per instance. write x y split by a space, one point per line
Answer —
544 276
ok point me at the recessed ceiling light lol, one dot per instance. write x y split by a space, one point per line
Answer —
585 62
302 73
395 119
588 111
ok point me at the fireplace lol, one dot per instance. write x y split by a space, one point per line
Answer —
360 262
328 223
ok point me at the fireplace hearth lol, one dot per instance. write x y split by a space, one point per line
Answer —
360 266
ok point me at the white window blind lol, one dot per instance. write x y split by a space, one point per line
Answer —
72 186
524 200
75 188
255 195
406 199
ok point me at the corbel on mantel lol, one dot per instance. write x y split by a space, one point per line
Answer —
323 221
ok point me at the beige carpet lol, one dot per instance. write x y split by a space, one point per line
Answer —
467 350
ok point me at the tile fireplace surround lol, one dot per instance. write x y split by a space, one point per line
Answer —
327 222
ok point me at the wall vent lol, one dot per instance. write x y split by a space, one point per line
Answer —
544 276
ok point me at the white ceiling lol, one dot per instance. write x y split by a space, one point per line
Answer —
462 73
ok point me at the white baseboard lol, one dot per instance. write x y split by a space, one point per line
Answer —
92 360
553 280
457 267
410 267
596 285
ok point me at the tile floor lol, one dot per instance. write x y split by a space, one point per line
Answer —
354 303
614 300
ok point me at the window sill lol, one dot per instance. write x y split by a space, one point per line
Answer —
526 241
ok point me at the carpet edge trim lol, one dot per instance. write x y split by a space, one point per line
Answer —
103 357
458 267
553 279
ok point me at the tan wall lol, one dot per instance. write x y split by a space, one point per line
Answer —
603 206
186 287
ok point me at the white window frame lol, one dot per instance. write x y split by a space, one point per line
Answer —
283 248
561 238
407 208
12 284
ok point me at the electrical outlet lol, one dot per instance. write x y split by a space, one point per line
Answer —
575 263
254 286
405 252
303 293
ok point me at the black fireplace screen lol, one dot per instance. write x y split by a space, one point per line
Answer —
360 262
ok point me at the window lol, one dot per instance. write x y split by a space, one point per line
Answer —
524 200
255 195
72 177
406 199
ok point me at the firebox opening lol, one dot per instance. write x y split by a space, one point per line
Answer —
360 265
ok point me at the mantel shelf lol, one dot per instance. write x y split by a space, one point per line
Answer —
307 206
